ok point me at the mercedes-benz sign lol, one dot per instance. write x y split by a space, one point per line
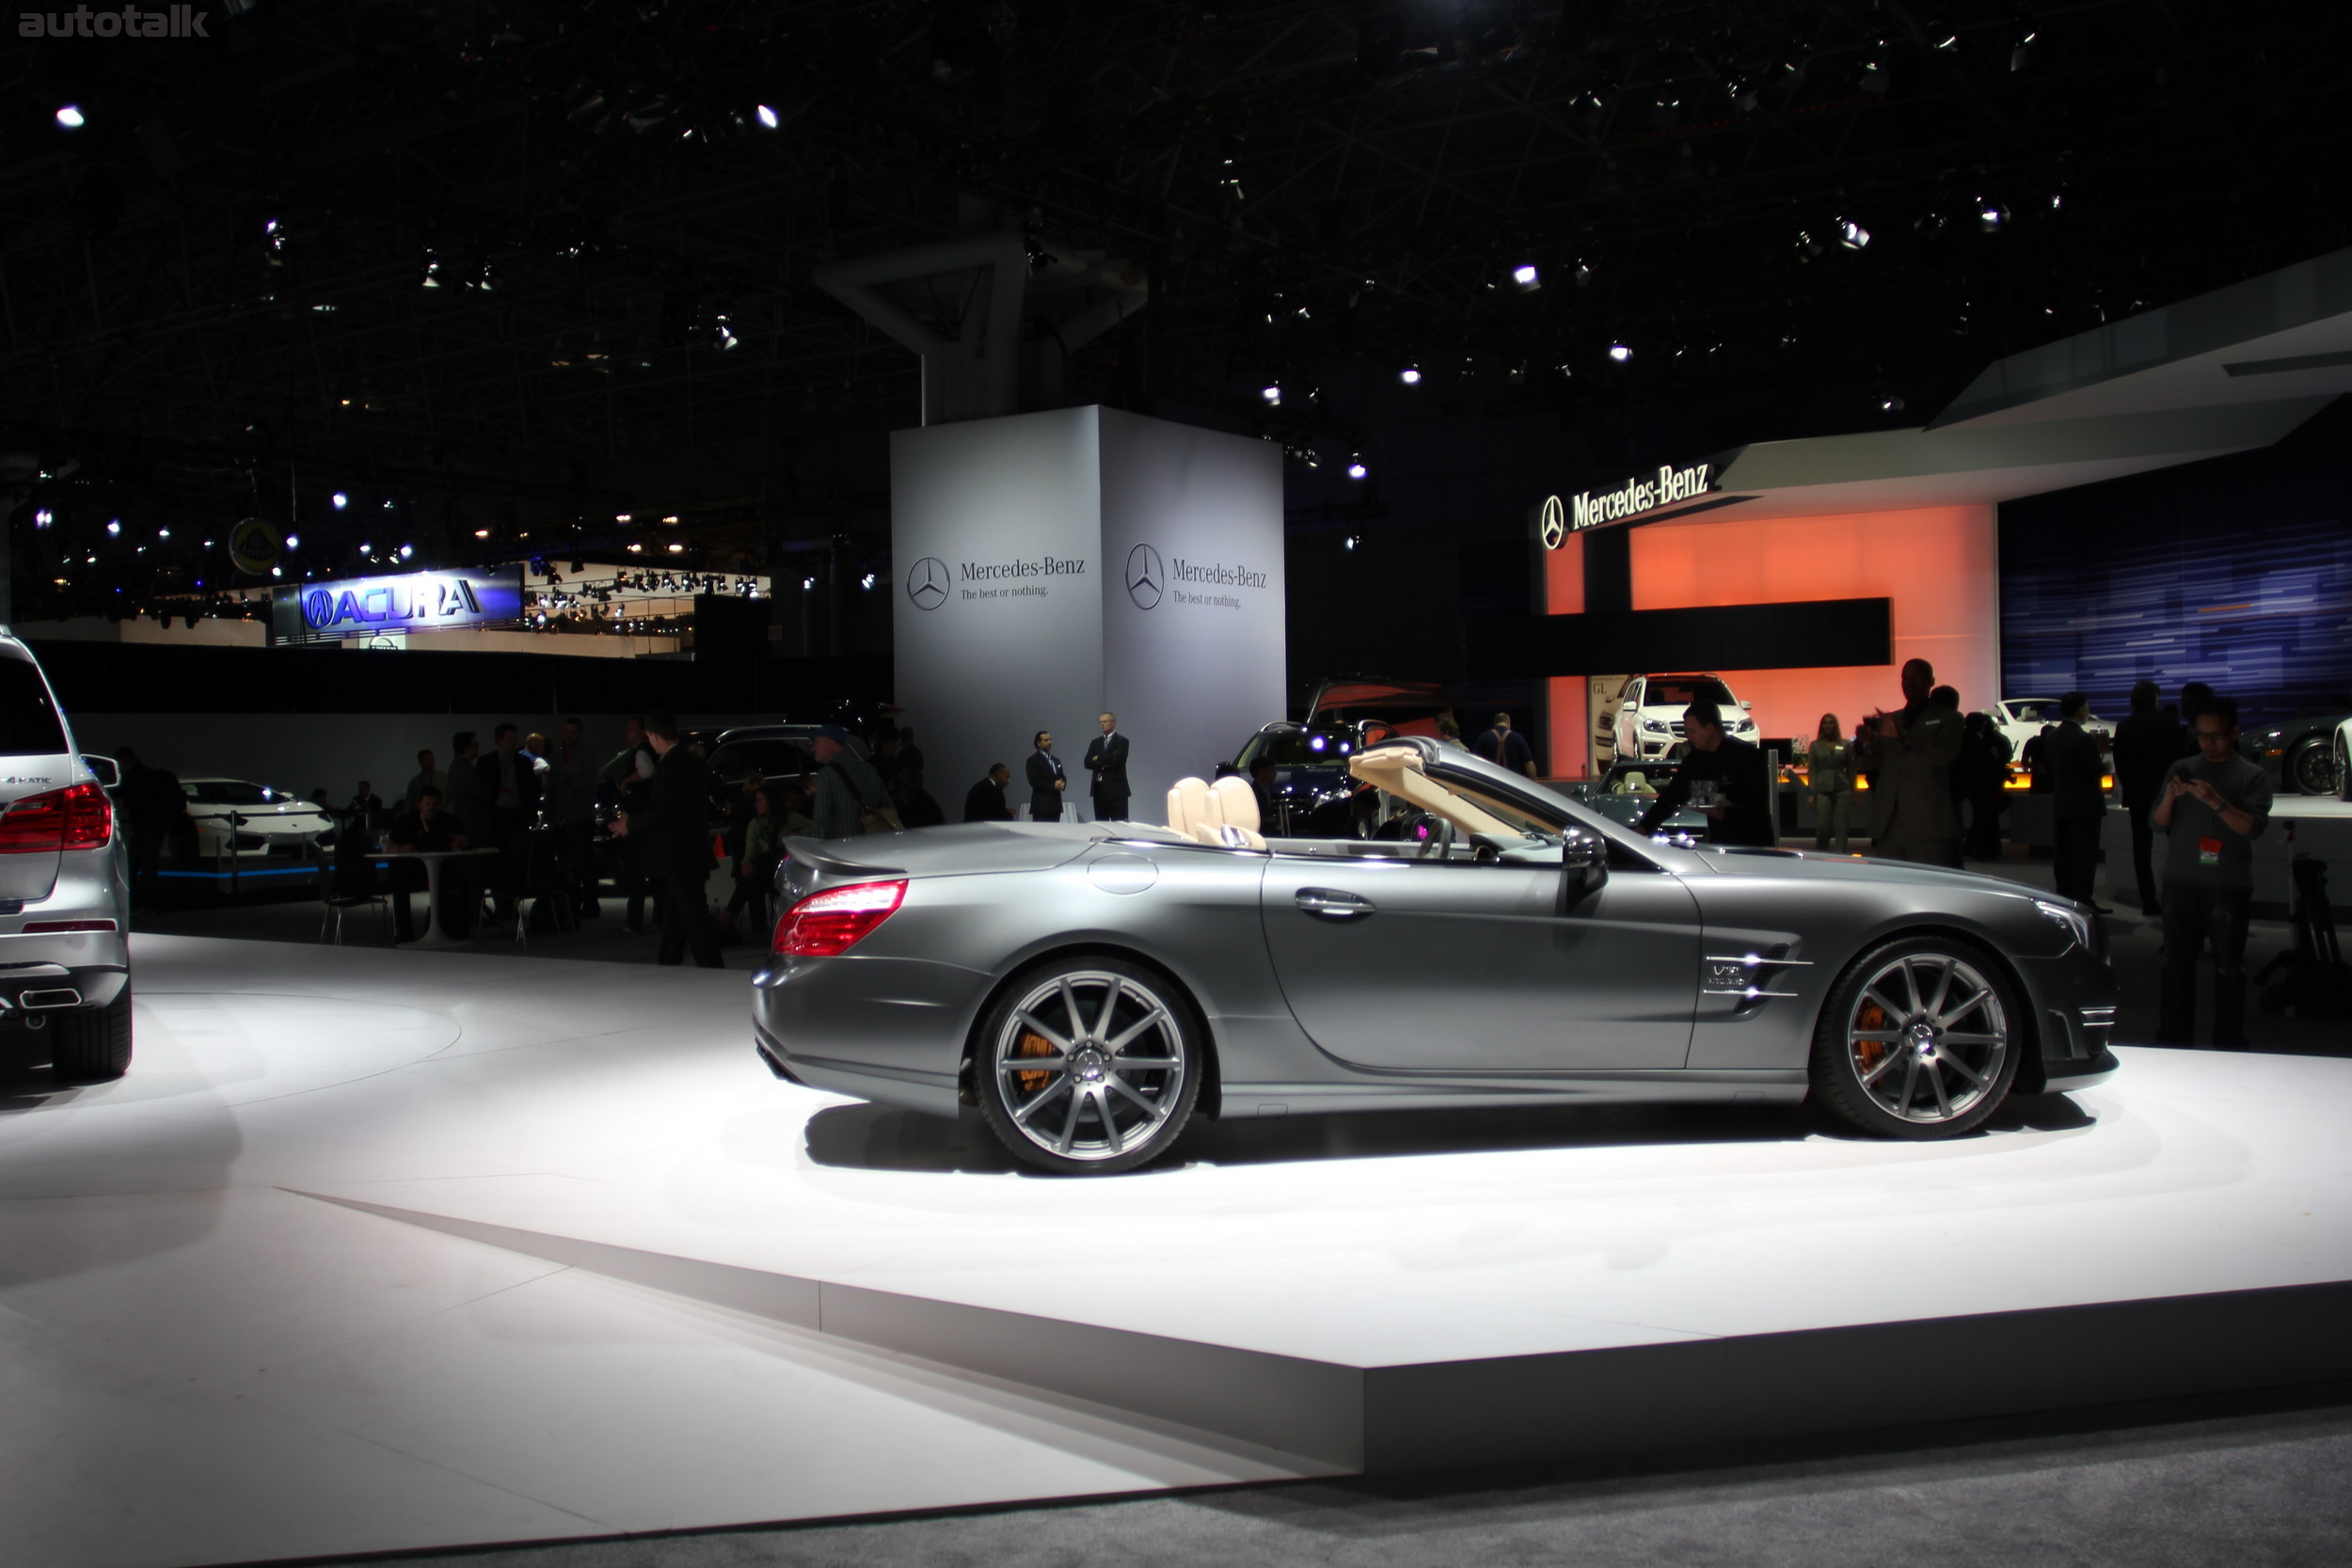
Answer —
1555 522
1147 579
926 582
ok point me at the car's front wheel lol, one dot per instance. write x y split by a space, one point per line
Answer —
91 1044
2310 769
1919 1039
2344 770
1089 1066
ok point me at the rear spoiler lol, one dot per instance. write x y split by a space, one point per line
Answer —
816 852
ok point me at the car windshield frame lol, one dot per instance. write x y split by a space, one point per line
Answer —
805 759
1654 692
217 792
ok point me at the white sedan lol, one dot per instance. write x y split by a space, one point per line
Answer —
261 821
2021 718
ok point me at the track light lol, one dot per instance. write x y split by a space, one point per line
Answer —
1621 354
1356 468
293 539
341 500
70 116
407 551
1351 541
1991 215
1526 276
1273 396
1410 375
113 528
1852 234
2020 54
767 116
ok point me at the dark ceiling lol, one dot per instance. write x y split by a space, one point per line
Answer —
517 268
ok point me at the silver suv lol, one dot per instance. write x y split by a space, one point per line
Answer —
65 889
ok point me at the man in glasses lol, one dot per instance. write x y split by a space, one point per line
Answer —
2211 809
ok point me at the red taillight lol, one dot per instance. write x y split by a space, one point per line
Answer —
80 818
824 924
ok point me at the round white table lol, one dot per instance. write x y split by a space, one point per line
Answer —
435 933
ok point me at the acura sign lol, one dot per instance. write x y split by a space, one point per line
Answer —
414 601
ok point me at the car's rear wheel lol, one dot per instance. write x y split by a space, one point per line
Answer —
1089 1066
2309 768
91 1044
2343 771
1919 1039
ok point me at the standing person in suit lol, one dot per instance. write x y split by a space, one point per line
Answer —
2146 744
985 800
1911 816
1741 811
675 828
1106 759
1048 779
2077 804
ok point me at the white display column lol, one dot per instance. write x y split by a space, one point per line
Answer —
1051 566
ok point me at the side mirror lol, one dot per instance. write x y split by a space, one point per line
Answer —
1584 866
1748 706
107 773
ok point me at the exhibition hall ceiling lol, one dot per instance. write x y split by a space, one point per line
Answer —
530 267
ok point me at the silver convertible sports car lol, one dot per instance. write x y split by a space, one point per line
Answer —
1089 988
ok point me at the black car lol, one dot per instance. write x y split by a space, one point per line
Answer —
1312 793
2297 752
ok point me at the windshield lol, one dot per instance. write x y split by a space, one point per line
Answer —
29 724
236 792
1298 748
740 759
1681 691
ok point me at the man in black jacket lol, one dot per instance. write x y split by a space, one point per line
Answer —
674 829
1048 778
1106 759
2071 759
1741 812
985 801
2146 744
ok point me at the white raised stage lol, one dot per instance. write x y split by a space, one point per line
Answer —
389 1250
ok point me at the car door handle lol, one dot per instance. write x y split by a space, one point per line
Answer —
1331 903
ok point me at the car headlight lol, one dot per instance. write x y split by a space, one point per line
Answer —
2076 922
1657 726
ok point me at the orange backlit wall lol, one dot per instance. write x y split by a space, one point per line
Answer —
1937 565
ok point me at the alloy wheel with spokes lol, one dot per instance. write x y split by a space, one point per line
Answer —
1089 1066
1919 1039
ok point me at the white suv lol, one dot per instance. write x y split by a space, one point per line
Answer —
1649 722
65 889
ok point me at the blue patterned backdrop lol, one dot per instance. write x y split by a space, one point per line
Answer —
2236 572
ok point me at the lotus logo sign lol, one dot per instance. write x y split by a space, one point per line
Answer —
926 582
1147 579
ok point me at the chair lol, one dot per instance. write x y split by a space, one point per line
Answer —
1237 814
347 882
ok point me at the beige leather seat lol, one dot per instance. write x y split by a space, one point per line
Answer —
1238 805
1208 813
1188 806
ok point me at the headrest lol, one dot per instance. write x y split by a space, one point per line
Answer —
1237 801
1188 806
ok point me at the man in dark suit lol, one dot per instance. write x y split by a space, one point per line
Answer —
675 828
511 784
1909 754
2071 759
1106 759
2146 744
1741 776
985 801
1048 778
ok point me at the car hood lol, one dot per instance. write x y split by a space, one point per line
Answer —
1813 866
968 848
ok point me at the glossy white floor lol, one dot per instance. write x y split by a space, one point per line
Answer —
375 1250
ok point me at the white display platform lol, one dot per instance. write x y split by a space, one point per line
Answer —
380 1250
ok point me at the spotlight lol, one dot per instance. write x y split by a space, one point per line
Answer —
364 546
166 533
1583 273
1928 226
291 540
808 584
1944 37
407 551
2020 55
635 548
1273 396
1852 234
1890 404
767 116
43 517
113 528
1526 276
70 116
1620 352
1356 468
341 500
677 549
866 581
1874 73
1351 541
482 533
1991 215
1410 375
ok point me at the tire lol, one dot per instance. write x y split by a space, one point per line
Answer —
1090 1106
2343 771
2310 769
1893 1005
92 1044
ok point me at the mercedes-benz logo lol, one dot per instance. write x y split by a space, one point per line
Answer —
926 582
1555 523
1146 578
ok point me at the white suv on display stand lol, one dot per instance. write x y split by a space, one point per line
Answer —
1650 724
2023 719
65 889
